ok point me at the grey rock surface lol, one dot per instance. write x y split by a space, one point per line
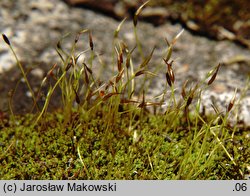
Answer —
34 28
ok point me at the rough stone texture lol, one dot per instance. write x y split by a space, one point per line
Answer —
34 27
221 20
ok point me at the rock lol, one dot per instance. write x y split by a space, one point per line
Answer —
34 29
106 6
223 20
122 9
156 15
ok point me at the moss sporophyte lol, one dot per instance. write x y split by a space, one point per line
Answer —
111 130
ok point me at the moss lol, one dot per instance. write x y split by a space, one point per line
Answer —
108 134
38 153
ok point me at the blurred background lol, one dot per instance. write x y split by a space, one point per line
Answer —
216 31
214 18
